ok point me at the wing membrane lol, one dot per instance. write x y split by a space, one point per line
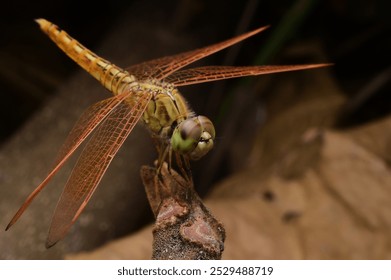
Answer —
90 119
163 67
92 164
214 73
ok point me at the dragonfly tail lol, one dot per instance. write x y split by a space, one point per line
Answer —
109 75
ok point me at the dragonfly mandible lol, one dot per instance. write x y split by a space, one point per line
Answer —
147 91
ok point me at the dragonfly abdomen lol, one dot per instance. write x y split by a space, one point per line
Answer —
112 77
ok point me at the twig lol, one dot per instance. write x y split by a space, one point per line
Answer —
184 228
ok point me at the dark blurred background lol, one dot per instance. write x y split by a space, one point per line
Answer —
355 35
352 34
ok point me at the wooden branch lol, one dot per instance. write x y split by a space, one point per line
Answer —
184 227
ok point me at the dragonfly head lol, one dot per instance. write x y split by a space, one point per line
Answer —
194 137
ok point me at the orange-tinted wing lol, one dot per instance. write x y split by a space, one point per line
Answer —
214 73
90 119
92 164
163 67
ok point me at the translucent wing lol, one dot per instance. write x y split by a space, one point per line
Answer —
92 164
163 67
214 73
90 119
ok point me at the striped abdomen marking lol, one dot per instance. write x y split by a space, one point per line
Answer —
112 77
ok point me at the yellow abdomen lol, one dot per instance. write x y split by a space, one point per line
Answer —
111 76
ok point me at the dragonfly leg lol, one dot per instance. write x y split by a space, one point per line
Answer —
164 152
184 166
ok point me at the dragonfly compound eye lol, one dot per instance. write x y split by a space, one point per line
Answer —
194 137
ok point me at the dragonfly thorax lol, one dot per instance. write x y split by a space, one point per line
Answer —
170 119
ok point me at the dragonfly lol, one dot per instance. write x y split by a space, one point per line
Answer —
147 91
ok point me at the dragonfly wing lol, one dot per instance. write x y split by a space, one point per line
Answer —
92 164
90 119
163 67
214 73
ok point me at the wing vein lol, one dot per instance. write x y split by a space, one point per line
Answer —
92 164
